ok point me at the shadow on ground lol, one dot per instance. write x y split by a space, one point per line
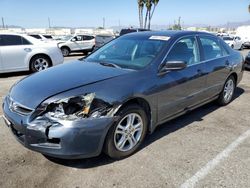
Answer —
14 74
161 131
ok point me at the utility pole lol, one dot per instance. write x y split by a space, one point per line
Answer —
3 23
179 22
103 22
49 22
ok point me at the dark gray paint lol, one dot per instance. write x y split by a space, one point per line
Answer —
168 95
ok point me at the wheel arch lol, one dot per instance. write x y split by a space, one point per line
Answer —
65 46
235 76
142 103
40 54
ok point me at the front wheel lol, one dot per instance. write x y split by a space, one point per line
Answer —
227 93
65 51
126 136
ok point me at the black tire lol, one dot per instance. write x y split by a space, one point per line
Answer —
232 46
109 146
242 47
222 100
65 51
43 59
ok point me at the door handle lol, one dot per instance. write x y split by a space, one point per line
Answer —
27 49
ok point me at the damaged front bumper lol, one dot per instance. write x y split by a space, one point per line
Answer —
63 139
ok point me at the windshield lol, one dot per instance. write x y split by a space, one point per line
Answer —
130 53
228 38
65 38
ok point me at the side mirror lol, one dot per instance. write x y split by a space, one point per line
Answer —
73 39
172 66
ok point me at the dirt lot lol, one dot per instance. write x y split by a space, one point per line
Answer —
209 147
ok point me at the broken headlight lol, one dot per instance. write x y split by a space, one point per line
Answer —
73 108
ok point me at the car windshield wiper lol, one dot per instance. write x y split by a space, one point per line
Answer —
110 65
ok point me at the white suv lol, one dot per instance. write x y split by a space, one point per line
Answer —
21 52
78 43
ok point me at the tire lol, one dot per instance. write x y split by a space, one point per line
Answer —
39 63
118 143
65 51
242 47
227 93
232 46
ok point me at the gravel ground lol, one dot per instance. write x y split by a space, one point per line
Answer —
173 154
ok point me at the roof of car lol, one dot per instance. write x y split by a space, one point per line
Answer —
169 33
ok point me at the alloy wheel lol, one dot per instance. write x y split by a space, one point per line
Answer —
128 132
228 90
41 64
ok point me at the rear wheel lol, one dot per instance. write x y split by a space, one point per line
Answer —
39 63
126 136
227 93
65 51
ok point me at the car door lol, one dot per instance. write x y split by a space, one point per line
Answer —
181 89
76 43
14 49
217 62
88 42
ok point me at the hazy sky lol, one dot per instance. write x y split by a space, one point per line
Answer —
76 13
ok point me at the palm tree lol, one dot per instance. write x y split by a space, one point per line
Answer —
155 3
140 8
150 11
148 4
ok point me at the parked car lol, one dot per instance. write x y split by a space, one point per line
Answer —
247 61
131 30
100 40
110 100
243 33
22 52
234 42
44 37
78 43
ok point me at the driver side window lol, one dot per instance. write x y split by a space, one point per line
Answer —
78 38
186 49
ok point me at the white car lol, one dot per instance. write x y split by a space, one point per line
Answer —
234 42
78 43
42 37
21 52
102 39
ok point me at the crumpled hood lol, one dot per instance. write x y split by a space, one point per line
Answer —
34 89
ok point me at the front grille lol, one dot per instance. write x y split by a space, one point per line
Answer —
18 108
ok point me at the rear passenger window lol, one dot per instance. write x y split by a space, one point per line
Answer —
185 50
211 48
88 37
11 40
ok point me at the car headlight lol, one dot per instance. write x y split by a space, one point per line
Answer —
78 107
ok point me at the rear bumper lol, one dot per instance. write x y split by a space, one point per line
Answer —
67 140
56 57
